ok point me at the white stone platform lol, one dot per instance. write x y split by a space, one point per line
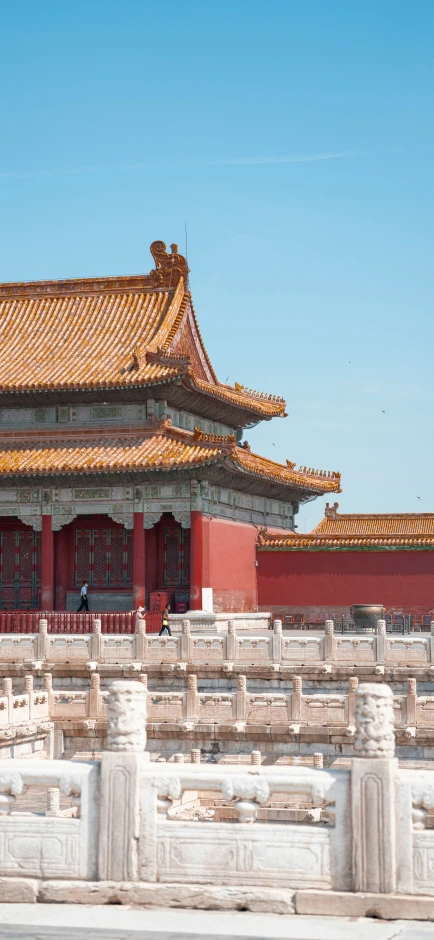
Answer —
71 922
203 622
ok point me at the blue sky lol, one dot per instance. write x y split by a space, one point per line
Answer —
297 142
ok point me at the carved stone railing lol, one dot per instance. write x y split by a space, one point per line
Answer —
290 712
227 652
366 829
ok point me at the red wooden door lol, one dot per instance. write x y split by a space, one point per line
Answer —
176 557
20 569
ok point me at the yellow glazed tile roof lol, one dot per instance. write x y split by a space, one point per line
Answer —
358 531
374 524
105 333
157 446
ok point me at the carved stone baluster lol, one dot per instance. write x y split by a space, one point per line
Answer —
296 699
353 685
329 641
381 641
140 641
241 699
43 643
373 784
8 693
48 688
96 642
277 641
94 694
185 642
53 802
121 766
411 703
191 699
28 689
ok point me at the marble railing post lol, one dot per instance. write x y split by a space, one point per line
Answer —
48 687
353 684
411 702
28 689
277 641
373 784
185 642
94 695
296 699
96 642
8 693
43 643
329 641
140 641
191 700
121 767
241 699
231 642
381 641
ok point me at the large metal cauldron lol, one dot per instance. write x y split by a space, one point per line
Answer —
366 615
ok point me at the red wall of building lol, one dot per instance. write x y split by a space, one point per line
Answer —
339 579
232 569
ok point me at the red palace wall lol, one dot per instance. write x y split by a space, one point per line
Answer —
339 579
231 565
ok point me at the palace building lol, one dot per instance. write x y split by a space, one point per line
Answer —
121 454
347 559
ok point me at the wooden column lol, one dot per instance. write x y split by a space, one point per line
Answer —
196 560
47 585
138 561
199 559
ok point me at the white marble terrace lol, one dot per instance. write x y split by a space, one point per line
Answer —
366 829
227 650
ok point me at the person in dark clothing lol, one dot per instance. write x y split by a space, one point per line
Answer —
165 622
83 595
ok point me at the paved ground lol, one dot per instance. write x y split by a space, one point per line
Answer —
77 922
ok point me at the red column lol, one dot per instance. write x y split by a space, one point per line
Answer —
138 561
47 586
199 558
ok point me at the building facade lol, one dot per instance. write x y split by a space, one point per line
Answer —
350 559
122 459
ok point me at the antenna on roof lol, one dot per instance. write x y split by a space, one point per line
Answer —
186 252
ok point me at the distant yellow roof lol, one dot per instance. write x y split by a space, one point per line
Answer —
114 332
358 531
370 524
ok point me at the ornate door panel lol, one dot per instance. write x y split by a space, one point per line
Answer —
176 557
103 557
20 569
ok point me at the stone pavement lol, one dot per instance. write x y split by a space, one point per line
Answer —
80 922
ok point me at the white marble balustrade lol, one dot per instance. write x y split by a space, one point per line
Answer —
291 712
229 651
366 830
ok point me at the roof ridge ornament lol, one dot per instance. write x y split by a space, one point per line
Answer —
168 267
264 396
199 435
331 512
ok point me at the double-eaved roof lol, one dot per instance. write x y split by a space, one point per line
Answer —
122 339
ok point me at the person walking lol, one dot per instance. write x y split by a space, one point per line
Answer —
83 596
165 621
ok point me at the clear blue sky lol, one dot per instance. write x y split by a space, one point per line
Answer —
296 139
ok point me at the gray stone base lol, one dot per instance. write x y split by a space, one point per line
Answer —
100 601
219 898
